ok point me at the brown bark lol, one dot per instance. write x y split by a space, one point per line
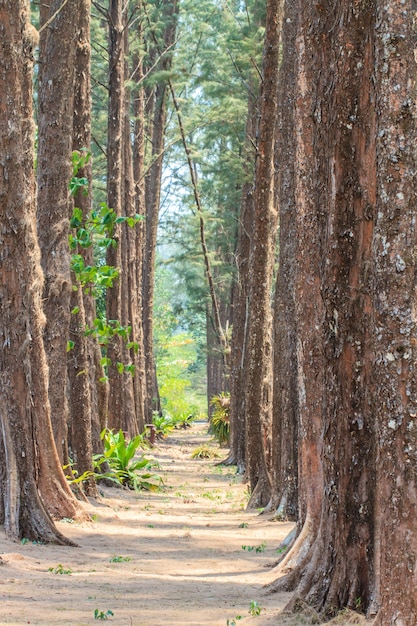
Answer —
258 392
239 336
79 358
334 243
56 101
152 195
284 472
344 168
394 378
156 108
114 201
134 417
54 171
138 164
24 407
240 291
358 141
97 391
308 316
127 401
217 379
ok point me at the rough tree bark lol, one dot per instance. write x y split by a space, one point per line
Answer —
138 157
24 407
216 348
344 172
98 390
258 374
54 170
156 110
115 351
127 397
82 392
131 309
56 102
332 310
308 314
361 549
238 342
394 375
284 471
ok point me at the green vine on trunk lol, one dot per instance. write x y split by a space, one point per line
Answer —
97 229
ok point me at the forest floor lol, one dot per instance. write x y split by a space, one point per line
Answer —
173 556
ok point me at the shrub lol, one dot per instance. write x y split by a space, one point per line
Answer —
219 421
164 424
123 468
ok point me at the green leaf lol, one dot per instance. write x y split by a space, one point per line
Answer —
130 369
77 218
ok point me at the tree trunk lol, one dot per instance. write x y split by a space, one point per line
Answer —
127 397
393 381
97 390
81 383
217 379
56 101
157 101
240 293
138 157
152 200
258 392
240 296
309 316
331 294
54 170
359 158
55 122
131 309
115 350
24 407
344 170
284 471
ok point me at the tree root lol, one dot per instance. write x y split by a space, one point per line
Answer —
298 606
293 563
230 460
260 495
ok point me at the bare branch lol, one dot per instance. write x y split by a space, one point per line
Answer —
51 19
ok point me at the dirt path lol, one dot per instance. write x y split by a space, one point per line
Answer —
177 555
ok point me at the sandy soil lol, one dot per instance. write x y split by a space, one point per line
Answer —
169 557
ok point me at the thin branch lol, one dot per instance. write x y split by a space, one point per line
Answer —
255 65
191 166
97 83
101 9
161 56
99 146
51 19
